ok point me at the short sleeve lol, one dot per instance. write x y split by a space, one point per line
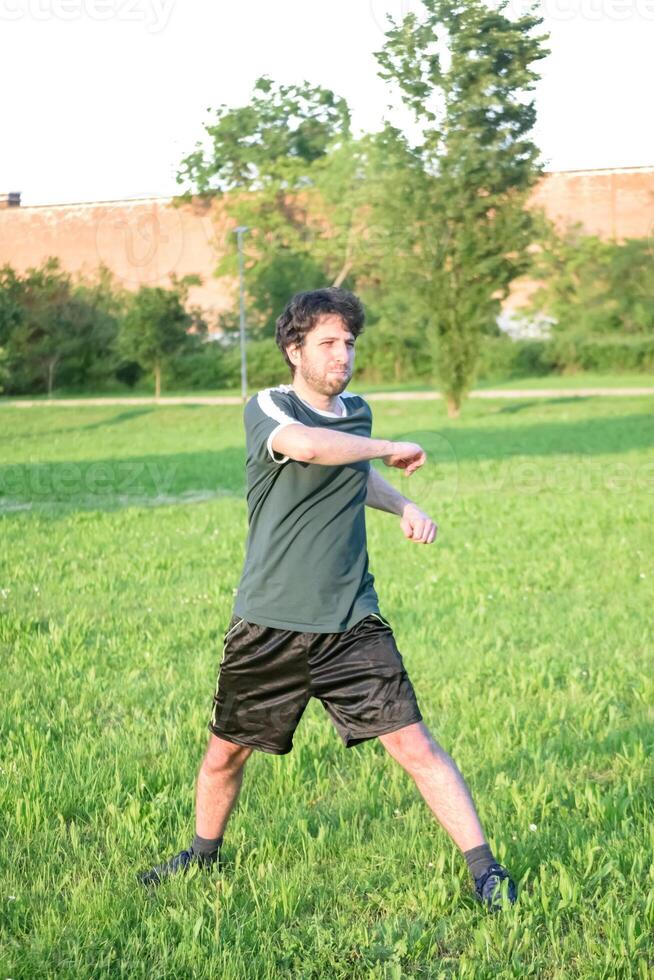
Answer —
368 414
358 404
265 414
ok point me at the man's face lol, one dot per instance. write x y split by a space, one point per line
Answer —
326 359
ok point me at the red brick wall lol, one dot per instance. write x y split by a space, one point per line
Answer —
613 204
144 241
141 241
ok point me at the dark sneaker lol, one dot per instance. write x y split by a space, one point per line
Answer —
179 864
490 890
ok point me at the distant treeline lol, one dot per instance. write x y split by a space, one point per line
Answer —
430 231
596 301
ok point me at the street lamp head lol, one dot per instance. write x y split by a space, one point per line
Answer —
241 229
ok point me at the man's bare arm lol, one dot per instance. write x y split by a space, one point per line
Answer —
382 495
317 444
415 524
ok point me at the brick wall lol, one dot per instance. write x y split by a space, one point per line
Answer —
143 241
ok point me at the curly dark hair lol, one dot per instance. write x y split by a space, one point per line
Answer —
304 309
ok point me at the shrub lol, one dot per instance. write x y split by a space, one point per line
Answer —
602 354
382 358
504 358
216 366
199 369
129 373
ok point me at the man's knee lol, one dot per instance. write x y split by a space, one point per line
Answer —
414 747
224 756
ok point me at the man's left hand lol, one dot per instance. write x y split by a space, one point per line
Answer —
417 525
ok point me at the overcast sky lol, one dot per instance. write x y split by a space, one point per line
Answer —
103 98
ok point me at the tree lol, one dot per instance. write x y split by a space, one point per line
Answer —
105 303
283 164
11 307
592 287
268 144
465 229
54 328
10 316
3 368
310 207
383 256
49 323
156 326
596 295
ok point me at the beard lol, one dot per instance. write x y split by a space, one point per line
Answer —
326 384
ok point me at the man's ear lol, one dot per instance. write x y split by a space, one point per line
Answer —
294 354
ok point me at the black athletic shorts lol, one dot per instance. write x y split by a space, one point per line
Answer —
267 676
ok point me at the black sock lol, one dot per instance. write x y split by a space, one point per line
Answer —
479 860
206 848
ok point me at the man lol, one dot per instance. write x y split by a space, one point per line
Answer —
306 618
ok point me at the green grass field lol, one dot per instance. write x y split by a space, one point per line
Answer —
527 631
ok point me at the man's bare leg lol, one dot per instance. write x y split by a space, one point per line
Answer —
441 784
218 785
445 792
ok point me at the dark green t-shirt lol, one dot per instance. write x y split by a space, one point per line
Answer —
306 562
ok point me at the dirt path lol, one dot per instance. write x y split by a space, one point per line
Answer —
391 396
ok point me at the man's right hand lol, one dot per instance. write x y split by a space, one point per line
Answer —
407 456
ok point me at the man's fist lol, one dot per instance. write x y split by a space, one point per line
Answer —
407 456
417 525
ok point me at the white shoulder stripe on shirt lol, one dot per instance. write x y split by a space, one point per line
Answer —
268 407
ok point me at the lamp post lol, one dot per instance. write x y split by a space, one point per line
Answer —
240 231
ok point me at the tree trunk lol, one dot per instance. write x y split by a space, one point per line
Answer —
453 403
338 281
51 373
347 260
157 379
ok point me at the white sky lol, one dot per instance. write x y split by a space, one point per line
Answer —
103 98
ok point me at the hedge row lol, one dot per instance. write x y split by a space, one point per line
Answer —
505 358
501 359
